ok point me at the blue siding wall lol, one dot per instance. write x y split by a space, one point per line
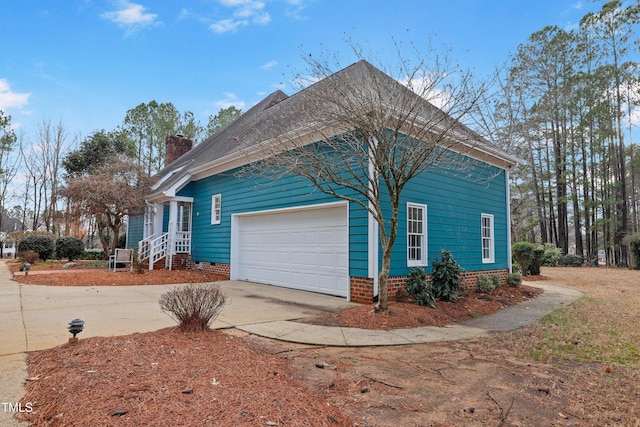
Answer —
455 201
212 243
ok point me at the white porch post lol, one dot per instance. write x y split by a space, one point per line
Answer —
173 221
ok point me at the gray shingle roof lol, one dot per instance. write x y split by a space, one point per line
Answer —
279 113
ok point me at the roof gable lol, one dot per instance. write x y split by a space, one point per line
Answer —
279 114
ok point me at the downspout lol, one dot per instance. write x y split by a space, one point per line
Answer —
508 192
373 266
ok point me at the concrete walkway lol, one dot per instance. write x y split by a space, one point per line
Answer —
507 319
35 318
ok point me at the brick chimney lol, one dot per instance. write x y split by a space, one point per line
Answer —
176 146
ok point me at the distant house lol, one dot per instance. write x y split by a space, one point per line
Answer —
203 214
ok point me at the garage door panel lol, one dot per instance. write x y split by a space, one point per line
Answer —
303 249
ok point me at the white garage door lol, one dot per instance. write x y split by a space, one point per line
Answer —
304 249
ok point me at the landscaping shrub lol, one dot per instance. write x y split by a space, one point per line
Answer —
487 284
43 244
445 277
29 256
69 247
418 287
93 254
633 240
551 255
529 257
193 306
536 262
514 279
571 260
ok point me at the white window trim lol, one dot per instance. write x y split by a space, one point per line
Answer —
492 240
422 262
216 216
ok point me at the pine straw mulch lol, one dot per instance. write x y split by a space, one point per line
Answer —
173 378
169 377
403 313
102 277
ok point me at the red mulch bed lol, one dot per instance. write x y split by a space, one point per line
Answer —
406 314
169 378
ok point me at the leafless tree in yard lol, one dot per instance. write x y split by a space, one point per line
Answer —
109 194
362 134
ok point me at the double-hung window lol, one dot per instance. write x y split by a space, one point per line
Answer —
416 235
216 208
488 243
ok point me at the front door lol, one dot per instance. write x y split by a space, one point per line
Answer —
183 228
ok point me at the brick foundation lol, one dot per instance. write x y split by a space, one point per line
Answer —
219 268
362 287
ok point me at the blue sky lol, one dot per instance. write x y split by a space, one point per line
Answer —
86 62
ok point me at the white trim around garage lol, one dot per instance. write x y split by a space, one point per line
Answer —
268 229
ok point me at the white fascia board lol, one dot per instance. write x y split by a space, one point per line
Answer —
170 192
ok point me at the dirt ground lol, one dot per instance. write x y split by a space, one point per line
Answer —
579 367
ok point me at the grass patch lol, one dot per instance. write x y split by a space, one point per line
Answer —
588 331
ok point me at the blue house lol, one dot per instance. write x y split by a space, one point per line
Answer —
209 211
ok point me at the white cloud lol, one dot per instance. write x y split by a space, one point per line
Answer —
9 99
269 65
230 100
132 16
246 12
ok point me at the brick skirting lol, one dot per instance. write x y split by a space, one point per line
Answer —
362 287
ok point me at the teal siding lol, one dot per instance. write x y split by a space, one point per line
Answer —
455 202
212 243
135 230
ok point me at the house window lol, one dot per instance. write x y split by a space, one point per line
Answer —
416 235
216 204
487 239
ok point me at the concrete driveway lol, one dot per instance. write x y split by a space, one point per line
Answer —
35 317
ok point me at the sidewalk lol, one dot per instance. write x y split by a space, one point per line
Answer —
35 318
509 318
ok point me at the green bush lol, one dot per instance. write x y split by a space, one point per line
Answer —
93 254
514 279
43 244
69 247
536 262
418 287
528 256
633 240
445 277
487 284
551 255
571 260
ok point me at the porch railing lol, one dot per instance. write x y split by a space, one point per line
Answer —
155 248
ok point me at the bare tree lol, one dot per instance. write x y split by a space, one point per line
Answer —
108 195
362 134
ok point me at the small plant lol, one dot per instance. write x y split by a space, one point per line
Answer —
193 306
418 287
69 247
514 279
487 284
445 277
29 256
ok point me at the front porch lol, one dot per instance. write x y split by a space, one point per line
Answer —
167 233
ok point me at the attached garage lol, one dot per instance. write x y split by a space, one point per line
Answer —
303 248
